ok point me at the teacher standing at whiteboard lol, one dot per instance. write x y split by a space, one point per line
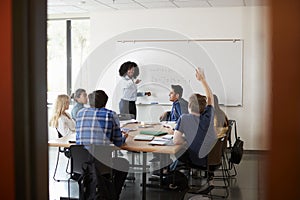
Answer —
129 72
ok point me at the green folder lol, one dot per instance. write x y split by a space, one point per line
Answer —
154 133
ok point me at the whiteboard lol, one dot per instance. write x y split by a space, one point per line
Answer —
167 59
173 63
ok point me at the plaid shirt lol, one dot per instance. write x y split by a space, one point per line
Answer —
98 126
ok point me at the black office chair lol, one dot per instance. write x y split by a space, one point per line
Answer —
231 167
80 155
217 161
123 116
213 161
66 152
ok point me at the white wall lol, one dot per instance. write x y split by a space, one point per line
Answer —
248 23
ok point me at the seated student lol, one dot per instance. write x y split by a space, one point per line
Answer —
179 106
100 126
61 120
80 97
196 129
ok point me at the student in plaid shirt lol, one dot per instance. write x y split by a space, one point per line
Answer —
99 126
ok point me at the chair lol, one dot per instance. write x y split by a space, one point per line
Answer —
167 117
215 160
123 116
231 167
80 155
64 151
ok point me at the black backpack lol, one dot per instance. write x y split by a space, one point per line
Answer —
94 186
237 151
238 147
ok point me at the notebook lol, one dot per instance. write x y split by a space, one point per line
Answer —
161 141
154 133
143 137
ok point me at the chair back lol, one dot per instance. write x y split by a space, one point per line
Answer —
123 116
58 133
61 149
79 155
215 155
101 155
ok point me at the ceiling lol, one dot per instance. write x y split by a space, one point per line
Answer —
87 6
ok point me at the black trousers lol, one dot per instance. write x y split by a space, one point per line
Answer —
120 167
127 107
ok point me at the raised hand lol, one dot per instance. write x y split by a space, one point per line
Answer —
200 74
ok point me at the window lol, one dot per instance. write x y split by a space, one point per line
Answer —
57 71
56 59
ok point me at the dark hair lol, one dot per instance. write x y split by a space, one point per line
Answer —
177 89
197 103
126 66
98 99
77 93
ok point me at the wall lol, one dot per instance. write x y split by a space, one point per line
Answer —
248 23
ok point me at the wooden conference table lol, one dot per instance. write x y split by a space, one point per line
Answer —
132 145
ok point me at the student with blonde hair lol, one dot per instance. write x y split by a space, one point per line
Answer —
60 119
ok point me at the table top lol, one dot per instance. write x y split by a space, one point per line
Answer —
130 144
134 145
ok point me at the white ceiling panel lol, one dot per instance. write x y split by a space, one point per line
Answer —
86 6
150 1
222 3
126 6
64 9
159 4
191 3
92 5
115 1
256 2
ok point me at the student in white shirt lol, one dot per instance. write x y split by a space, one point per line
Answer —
128 84
60 119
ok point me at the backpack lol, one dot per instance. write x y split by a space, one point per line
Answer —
94 186
237 150
175 180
